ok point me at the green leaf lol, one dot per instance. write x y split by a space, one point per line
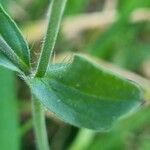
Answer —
8 54
12 36
9 114
85 94
5 62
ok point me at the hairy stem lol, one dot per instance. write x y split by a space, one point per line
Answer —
39 125
57 9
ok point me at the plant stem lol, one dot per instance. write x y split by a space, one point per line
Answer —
84 138
57 9
39 125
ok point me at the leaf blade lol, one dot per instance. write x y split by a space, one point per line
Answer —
4 62
86 95
12 35
9 54
9 114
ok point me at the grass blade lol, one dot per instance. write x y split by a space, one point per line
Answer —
9 135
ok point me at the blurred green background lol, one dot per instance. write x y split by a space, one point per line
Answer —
116 31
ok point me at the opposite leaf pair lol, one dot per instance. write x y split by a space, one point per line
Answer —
79 92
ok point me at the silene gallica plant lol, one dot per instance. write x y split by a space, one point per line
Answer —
80 92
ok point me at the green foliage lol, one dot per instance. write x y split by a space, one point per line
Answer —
5 3
127 4
122 133
12 43
9 119
129 44
123 136
75 6
102 45
65 89
7 63
82 85
10 56
80 92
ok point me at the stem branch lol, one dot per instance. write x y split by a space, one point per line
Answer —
39 125
57 9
